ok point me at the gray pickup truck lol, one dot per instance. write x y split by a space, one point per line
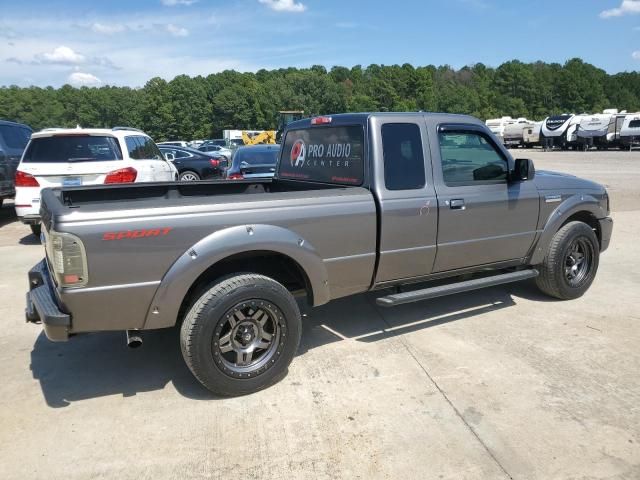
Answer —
360 202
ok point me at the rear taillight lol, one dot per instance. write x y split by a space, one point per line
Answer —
214 162
68 259
124 175
25 180
235 176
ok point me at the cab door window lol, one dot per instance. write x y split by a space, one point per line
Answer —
470 158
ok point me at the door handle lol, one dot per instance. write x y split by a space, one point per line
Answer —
457 204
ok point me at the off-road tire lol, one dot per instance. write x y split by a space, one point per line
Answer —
201 330
553 279
36 229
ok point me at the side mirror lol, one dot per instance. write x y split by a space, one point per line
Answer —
524 170
170 157
223 163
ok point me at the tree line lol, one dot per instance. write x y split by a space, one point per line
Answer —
201 107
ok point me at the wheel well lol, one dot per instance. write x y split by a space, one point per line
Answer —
588 218
274 265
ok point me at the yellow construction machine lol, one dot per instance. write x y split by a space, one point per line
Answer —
266 136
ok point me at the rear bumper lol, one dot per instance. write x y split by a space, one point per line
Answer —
42 305
30 219
27 203
606 228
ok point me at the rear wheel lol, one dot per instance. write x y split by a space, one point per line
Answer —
36 229
571 262
241 334
189 176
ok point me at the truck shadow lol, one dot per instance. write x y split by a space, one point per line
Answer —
360 319
97 365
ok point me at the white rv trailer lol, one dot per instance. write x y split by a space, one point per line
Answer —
630 131
514 132
497 126
601 130
554 130
572 129
593 130
531 135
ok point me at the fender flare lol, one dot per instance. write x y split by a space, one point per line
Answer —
576 203
222 244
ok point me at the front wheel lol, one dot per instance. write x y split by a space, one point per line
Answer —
571 262
241 335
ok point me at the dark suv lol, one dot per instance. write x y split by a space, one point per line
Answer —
13 140
258 161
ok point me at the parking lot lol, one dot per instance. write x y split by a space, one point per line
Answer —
497 383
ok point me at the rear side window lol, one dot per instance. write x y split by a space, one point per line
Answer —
403 157
256 156
72 148
142 148
634 124
181 154
14 136
324 154
469 158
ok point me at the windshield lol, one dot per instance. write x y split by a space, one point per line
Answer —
72 148
324 154
256 156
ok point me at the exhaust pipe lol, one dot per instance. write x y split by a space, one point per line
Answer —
134 338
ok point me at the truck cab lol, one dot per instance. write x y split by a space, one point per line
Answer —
443 188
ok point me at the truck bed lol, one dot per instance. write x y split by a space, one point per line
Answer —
118 198
133 234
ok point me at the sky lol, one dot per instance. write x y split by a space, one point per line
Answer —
125 43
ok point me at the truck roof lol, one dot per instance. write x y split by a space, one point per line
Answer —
14 124
363 117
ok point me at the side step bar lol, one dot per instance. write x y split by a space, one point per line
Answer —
444 290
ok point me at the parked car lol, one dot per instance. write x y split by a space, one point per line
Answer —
174 143
258 161
13 140
361 202
85 156
211 148
221 142
194 165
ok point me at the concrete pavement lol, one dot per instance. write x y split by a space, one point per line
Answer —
499 383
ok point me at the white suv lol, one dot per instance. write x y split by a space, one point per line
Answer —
69 157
